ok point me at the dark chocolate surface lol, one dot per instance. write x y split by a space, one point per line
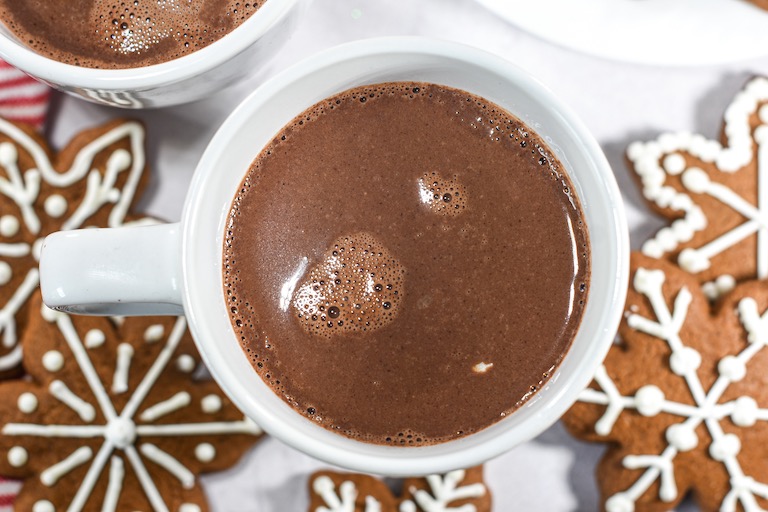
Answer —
391 244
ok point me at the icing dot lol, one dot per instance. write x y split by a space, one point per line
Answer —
53 361
674 164
9 226
210 404
666 239
185 363
696 180
692 261
727 446
55 205
744 412
6 273
43 506
710 291
648 281
94 338
653 249
635 150
682 230
8 154
154 333
682 437
121 432
649 400
732 368
684 360
37 248
27 403
763 113
761 134
189 507
17 456
120 159
205 452
619 503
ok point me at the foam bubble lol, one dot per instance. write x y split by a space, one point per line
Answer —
442 196
357 287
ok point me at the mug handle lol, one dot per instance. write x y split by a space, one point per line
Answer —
127 271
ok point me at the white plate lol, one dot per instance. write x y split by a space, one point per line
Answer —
661 32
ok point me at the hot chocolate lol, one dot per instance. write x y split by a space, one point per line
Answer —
406 263
110 34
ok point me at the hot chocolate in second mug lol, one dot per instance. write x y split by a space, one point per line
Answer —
177 268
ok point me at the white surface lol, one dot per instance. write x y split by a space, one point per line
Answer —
619 102
658 32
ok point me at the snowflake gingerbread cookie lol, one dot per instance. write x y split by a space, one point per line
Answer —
682 399
93 182
457 491
112 418
715 193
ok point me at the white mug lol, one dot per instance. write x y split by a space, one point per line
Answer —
189 78
178 268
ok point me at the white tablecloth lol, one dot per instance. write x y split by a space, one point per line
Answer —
619 102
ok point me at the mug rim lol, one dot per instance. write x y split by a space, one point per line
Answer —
400 464
145 77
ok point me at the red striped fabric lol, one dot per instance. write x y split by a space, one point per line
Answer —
22 99
8 491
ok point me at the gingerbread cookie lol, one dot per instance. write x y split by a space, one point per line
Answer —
682 399
93 182
715 194
460 491
112 417
763 4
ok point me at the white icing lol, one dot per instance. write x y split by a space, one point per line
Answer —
169 463
43 506
53 361
9 226
444 490
154 333
745 412
705 410
726 447
189 507
55 205
210 404
17 456
27 403
655 161
732 368
83 409
674 163
619 503
50 476
205 452
22 187
114 485
185 363
122 367
37 249
682 437
324 487
94 338
6 273
649 400
176 402
119 432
